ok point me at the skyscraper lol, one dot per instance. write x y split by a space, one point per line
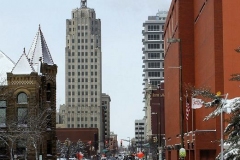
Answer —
153 50
83 70
153 61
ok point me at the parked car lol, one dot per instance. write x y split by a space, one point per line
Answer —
120 157
103 158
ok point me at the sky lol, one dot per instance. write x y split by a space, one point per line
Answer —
122 25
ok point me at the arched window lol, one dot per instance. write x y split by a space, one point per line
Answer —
22 111
22 98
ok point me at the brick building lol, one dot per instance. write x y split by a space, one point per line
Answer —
28 104
207 34
89 136
158 117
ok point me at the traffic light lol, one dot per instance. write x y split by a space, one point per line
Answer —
154 139
121 143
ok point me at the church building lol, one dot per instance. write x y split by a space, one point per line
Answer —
28 103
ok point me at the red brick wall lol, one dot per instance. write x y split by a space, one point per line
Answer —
209 33
205 65
183 29
74 134
231 41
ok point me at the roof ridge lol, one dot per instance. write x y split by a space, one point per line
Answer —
39 48
18 66
49 54
7 57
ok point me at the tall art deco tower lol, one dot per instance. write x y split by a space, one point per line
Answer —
83 70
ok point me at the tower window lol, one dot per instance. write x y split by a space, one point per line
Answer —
49 94
22 98
49 147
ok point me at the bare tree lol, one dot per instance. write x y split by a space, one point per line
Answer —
26 130
70 149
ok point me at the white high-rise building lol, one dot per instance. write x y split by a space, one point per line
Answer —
83 71
153 60
153 49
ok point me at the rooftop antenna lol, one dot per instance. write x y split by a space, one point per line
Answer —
83 3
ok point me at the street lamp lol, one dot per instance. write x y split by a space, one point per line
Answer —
175 40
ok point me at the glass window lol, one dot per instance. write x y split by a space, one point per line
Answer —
154 46
22 98
49 95
155 82
22 115
153 55
153 28
154 65
153 37
154 74
49 147
20 147
3 106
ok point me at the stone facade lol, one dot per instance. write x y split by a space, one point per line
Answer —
41 97
28 106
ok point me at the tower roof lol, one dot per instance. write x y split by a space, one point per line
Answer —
6 65
83 3
23 65
39 50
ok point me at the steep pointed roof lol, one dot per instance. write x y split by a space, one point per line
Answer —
39 49
6 65
23 65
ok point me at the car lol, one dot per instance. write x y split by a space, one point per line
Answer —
120 157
